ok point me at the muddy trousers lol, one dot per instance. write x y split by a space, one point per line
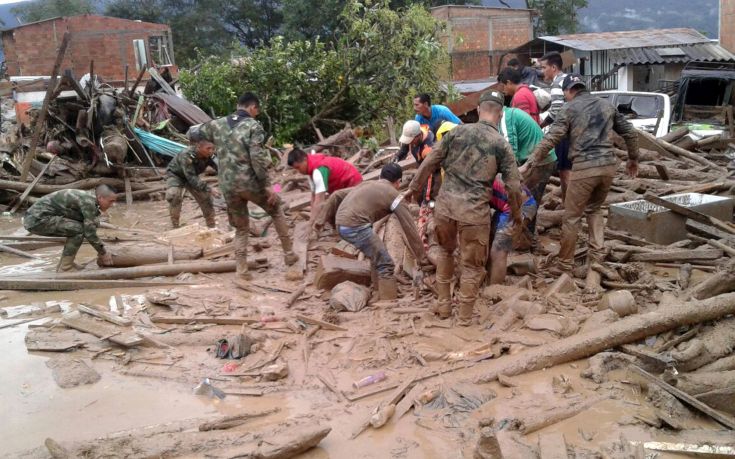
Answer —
536 181
239 217
58 226
473 248
584 195
175 197
365 239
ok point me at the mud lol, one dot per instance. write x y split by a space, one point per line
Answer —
71 372
711 344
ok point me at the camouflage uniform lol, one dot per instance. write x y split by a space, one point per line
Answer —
73 214
243 177
182 175
586 121
471 155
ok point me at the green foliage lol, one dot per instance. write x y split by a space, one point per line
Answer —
379 59
557 16
45 9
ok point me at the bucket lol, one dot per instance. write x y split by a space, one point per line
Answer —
620 301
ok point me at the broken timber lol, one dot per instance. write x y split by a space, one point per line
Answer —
100 329
112 318
689 213
8 283
205 320
679 255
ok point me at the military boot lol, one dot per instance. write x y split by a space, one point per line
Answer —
211 221
279 222
464 316
175 217
387 289
290 258
443 305
66 263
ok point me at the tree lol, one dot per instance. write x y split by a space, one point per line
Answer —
45 9
556 16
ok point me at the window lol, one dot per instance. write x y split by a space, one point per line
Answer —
158 46
141 58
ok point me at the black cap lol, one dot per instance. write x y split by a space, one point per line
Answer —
391 172
572 80
493 96
195 134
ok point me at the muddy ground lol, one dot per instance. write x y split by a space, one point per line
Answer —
142 403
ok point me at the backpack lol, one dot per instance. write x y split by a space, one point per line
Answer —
543 98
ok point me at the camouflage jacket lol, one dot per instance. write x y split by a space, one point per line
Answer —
78 205
243 161
471 155
187 167
587 121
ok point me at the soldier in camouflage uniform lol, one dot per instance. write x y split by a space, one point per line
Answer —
73 214
182 175
587 121
243 177
471 155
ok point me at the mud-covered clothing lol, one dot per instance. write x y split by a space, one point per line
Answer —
471 155
524 100
175 198
585 195
522 133
367 242
587 120
439 113
419 152
502 223
330 174
70 213
184 169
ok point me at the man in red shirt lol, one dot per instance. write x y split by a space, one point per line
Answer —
522 95
327 173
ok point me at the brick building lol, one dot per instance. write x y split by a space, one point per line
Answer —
477 38
727 25
113 43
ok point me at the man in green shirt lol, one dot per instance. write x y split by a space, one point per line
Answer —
523 134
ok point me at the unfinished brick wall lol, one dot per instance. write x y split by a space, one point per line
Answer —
31 50
727 25
477 37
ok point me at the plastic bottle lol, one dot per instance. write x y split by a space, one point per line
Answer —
368 380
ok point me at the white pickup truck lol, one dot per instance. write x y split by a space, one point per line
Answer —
642 109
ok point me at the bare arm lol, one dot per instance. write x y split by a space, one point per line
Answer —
512 179
431 163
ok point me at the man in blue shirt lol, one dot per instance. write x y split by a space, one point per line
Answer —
432 115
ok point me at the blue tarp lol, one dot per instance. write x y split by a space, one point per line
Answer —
158 144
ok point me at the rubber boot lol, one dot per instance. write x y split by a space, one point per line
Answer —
464 316
242 276
443 305
175 217
387 289
281 226
66 263
211 221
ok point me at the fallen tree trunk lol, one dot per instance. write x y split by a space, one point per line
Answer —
689 175
228 422
138 255
157 270
721 282
86 184
628 330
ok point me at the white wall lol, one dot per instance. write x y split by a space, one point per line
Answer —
625 78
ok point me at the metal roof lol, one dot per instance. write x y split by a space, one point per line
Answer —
706 52
628 39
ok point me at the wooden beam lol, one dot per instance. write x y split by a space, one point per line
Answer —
112 318
205 320
20 253
41 120
75 284
679 255
100 329
30 187
689 213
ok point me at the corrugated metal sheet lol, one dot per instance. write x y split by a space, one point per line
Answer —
184 109
707 52
628 39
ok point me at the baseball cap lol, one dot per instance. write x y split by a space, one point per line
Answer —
391 172
572 80
493 96
411 129
195 134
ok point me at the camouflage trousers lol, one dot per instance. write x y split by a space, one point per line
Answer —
239 217
175 189
58 226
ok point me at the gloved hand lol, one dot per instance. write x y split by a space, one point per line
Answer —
104 259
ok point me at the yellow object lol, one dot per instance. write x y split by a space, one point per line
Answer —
444 128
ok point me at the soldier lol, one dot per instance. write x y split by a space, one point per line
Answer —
73 214
243 177
586 120
183 175
471 155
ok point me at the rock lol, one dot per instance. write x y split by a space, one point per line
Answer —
502 444
562 326
349 296
564 284
278 370
72 372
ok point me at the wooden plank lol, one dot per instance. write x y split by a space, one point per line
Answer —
627 238
552 446
647 355
708 231
689 213
51 284
112 318
100 329
719 450
679 255
41 120
31 186
662 171
204 320
324 325
333 270
722 418
128 189
719 245
20 253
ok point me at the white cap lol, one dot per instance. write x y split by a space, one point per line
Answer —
411 129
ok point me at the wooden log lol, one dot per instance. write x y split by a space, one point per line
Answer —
295 296
689 175
20 253
128 256
722 418
205 320
289 444
719 245
85 184
680 151
31 186
708 231
41 119
100 329
334 270
689 213
228 422
675 135
47 284
175 269
679 255
721 282
627 330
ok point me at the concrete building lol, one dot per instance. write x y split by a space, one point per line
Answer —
478 37
113 43
635 60
727 25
